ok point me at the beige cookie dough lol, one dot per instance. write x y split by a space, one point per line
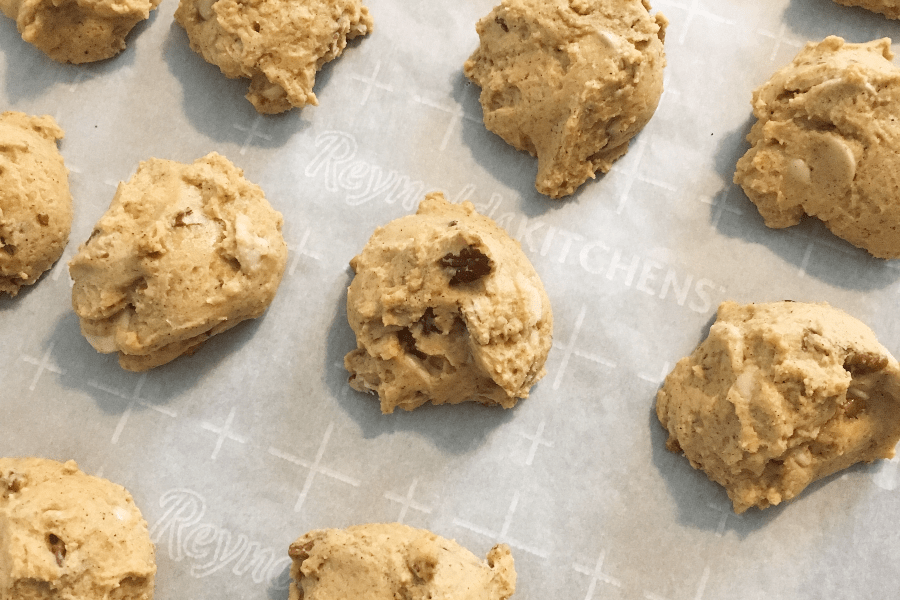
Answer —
446 308
827 144
35 203
569 81
184 252
391 561
278 45
65 535
889 8
780 395
77 31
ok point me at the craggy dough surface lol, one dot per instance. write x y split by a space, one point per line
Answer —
35 203
77 31
569 81
278 44
390 561
889 8
65 535
446 308
183 253
780 395
827 144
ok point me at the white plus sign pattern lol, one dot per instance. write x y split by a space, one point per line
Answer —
235 451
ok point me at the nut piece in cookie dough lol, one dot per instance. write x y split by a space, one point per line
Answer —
780 395
65 534
569 81
35 203
889 8
446 308
387 561
77 31
827 144
278 45
183 253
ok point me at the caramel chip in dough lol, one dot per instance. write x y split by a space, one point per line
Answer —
780 395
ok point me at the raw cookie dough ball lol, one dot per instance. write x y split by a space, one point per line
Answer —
569 81
827 144
77 31
278 44
68 535
183 253
35 203
889 8
389 561
446 308
780 395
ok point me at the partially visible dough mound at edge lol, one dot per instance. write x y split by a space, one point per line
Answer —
35 202
77 31
569 81
388 561
68 535
278 44
780 395
183 253
446 308
889 8
827 144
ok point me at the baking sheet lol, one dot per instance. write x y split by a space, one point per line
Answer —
256 439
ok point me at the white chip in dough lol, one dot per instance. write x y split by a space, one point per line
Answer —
569 81
446 308
278 44
780 395
68 535
390 561
183 253
827 144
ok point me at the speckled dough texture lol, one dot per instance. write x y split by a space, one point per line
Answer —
827 144
889 8
391 561
65 535
35 203
446 308
780 395
569 81
183 253
77 31
278 44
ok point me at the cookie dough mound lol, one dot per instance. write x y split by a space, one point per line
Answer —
889 8
183 253
827 144
278 44
389 561
569 81
65 534
780 395
77 31
446 308
35 203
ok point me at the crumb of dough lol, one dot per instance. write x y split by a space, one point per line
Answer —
827 144
183 253
780 395
569 81
65 534
77 31
446 308
279 45
388 561
35 202
889 8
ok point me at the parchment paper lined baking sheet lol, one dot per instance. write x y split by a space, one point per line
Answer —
237 450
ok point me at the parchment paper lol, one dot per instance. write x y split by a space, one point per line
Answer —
234 452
